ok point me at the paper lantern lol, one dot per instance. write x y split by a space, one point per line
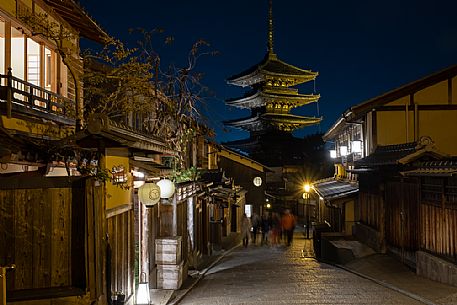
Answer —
257 181
149 194
167 188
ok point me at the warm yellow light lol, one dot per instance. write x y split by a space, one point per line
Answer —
307 187
268 205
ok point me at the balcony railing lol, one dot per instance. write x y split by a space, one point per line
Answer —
17 95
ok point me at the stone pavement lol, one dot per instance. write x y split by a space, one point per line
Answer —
387 271
280 275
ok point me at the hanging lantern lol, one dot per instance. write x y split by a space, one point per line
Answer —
167 188
142 296
149 194
257 181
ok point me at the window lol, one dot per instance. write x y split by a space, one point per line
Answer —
33 62
49 70
17 53
451 193
432 190
2 46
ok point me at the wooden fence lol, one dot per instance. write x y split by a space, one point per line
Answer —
41 231
438 228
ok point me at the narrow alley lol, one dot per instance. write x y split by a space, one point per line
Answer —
285 275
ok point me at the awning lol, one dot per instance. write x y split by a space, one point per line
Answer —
332 188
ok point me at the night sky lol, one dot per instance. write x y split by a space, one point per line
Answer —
361 49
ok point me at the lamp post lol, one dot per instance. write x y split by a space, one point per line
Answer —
307 189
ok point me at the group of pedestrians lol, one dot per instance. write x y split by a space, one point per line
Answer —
272 228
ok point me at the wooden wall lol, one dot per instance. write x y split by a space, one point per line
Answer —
41 231
122 255
402 213
36 229
438 227
370 210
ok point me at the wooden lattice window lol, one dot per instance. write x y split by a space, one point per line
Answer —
432 190
451 193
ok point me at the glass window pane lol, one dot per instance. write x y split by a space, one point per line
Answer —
17 53
2 47
33 62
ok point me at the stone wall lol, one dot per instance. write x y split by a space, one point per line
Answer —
369 236
436 269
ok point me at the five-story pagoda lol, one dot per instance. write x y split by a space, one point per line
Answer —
270 100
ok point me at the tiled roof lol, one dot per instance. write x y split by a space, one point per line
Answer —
333 188
272 65
434 168
387 155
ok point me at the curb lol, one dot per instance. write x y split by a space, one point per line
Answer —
201 275
387 285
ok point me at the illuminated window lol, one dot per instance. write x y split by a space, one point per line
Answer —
17 53
33 62
2 46
118 174
49 70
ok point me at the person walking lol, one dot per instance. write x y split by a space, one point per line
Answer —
265 226
275 230
288 225
245 229
255 222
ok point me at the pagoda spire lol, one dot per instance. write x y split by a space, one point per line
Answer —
270 27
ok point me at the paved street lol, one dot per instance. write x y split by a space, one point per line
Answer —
269 275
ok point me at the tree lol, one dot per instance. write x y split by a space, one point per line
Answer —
120 80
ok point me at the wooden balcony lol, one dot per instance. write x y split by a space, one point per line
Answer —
20 97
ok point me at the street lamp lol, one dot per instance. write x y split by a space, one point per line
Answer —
307 188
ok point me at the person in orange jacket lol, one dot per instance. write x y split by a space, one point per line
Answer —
288 225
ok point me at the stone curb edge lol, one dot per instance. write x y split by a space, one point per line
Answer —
387 285
201 275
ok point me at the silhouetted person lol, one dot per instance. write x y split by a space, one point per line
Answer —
255 222
245 229
265 226
275 229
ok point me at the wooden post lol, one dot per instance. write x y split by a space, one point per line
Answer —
3 282
175 216
9 93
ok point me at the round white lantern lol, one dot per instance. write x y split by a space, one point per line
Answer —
149 194
167 188
257 181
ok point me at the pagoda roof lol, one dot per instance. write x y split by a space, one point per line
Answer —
260 98
286 122
271 67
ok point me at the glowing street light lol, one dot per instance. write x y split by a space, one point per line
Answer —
307 187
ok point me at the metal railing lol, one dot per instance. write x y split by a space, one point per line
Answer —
23 96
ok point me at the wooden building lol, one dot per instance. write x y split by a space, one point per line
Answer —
377 140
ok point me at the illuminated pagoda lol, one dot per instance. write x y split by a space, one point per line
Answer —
270 101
